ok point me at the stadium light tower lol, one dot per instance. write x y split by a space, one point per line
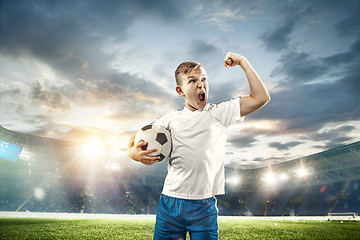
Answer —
302 172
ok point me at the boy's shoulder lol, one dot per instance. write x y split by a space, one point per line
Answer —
209 107
226 103
165 119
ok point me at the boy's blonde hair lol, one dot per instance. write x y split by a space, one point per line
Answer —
184 68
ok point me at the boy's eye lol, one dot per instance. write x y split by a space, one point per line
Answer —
204 79
192 80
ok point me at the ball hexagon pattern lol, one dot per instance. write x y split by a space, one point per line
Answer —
157 137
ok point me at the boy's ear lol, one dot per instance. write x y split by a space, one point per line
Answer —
179 91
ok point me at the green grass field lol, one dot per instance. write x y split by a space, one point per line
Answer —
43 228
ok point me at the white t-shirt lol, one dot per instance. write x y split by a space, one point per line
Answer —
196 164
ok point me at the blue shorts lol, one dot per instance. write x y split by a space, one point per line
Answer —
177 216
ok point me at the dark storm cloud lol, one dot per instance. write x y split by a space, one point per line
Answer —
257 162
345 57
268 161
299 67
46 26
336 142
337 133
350 24
309 108
68 35
332 138
277 38
242 141
284 146
317 91
166 10
258 159
313 91
30 24
49 29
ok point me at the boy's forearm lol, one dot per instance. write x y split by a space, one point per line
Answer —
131 141
130 145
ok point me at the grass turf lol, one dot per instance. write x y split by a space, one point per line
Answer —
42 228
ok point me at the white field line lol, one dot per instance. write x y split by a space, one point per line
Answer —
149 216
74 215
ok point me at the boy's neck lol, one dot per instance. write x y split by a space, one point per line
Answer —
193 109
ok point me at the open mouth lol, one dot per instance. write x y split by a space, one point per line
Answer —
202 97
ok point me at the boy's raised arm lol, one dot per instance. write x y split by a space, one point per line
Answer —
259 95
136 153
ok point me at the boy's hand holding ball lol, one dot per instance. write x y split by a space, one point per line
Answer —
136 152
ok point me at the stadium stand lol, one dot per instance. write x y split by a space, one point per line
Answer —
57 176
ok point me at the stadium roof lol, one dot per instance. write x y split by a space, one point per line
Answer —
335 165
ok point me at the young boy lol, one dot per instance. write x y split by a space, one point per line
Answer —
196 165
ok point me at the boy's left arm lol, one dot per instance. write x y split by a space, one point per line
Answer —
259 95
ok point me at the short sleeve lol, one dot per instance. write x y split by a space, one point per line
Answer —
163 121
227 112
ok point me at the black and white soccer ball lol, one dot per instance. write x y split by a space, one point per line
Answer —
157 137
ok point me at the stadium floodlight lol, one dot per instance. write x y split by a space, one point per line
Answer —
39 193
93 148
302 172
233 180
270 178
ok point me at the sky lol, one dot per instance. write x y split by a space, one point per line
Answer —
84 70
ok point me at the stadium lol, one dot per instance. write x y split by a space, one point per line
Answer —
48 178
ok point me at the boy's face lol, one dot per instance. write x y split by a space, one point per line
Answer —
194 89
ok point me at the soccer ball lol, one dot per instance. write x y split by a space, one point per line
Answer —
157 137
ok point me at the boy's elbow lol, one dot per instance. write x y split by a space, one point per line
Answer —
268 98
265 99
260 101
